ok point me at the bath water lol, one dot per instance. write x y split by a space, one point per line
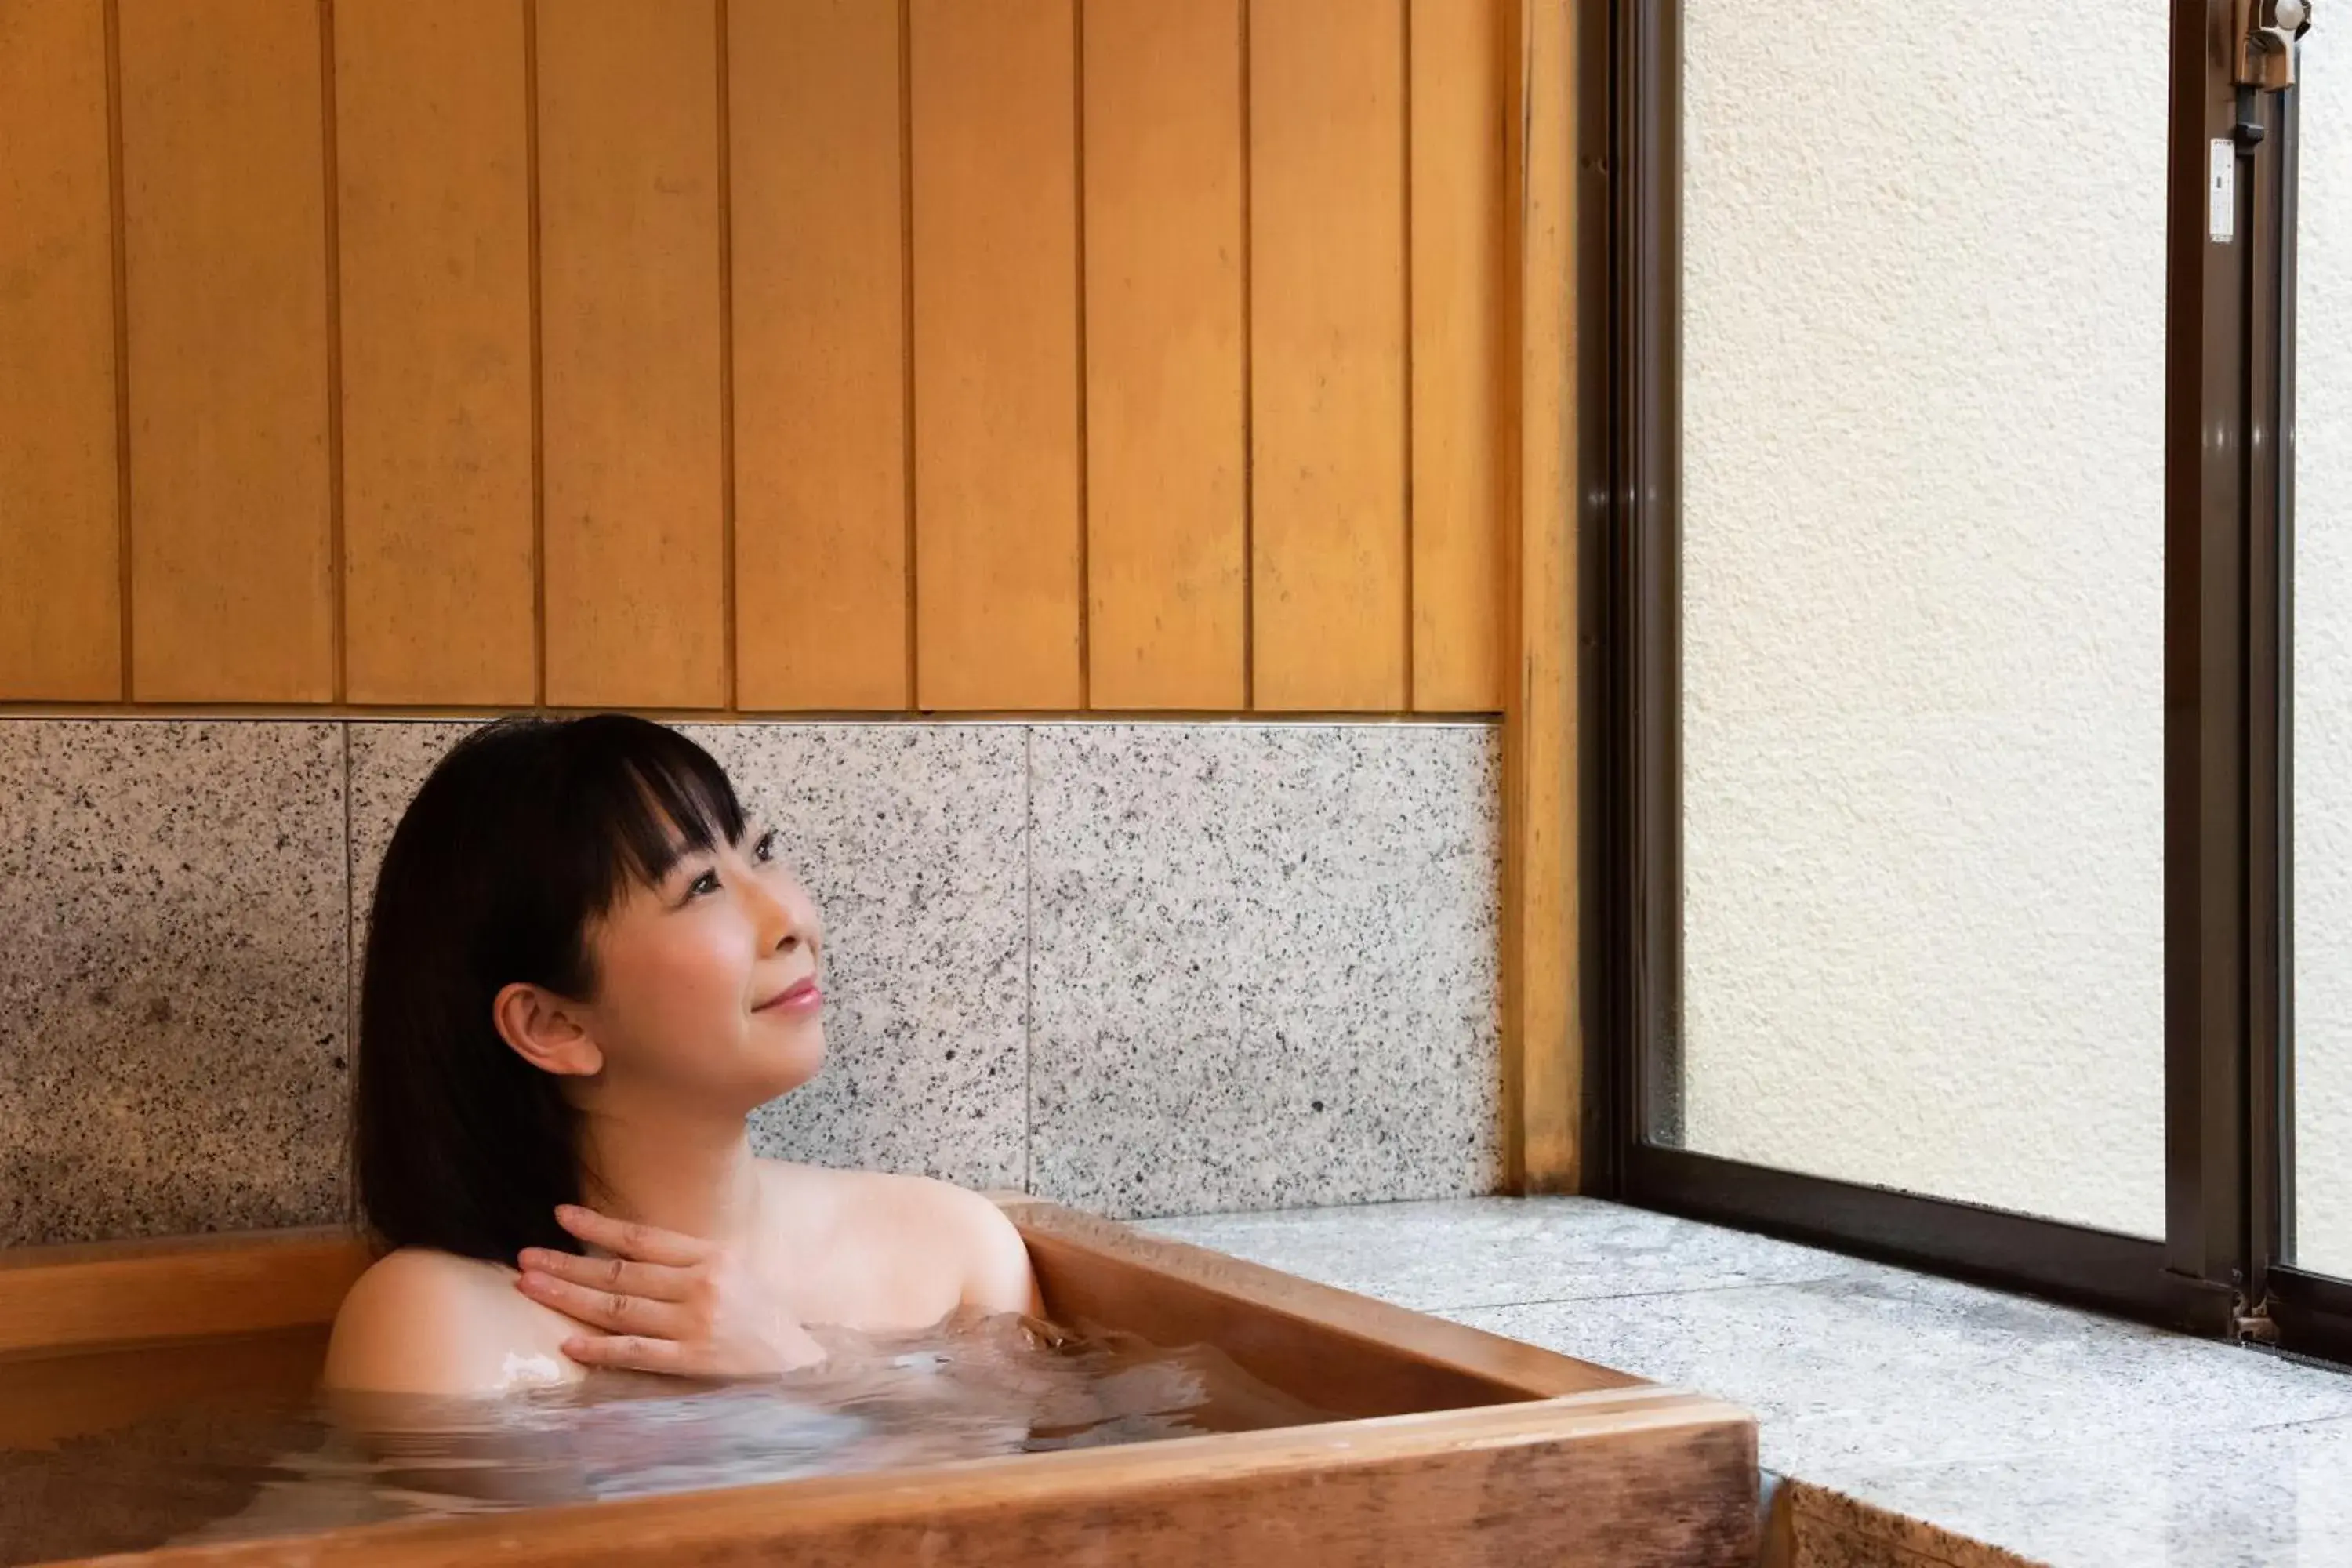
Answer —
233 1464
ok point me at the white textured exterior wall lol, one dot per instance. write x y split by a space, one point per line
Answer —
1923 549
2323 660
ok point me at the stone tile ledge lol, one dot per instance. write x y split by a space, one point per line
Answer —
1904 1420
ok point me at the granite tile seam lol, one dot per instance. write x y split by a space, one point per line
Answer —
2333 1426
2222 1434
2189 1439
351 954
1588 1297
1029 958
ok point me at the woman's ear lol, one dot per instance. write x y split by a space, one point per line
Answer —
546 1030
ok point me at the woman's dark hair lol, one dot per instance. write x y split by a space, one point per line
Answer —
524 834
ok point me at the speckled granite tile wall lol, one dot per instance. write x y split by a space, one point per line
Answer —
1146 968
1264 964
171 976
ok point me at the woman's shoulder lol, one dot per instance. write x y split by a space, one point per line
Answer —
929 1217
424 1321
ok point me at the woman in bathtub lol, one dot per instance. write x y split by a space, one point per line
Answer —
584 969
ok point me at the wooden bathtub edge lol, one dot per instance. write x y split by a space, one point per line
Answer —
86 1295
1532 1372
1636 1455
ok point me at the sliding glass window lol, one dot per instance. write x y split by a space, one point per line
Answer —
1975 770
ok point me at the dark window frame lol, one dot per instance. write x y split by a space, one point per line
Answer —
2301 1309
2227 727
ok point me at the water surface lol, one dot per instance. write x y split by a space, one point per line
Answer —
224 1440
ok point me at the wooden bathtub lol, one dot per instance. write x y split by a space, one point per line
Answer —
1457 1447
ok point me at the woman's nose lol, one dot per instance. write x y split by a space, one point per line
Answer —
787 919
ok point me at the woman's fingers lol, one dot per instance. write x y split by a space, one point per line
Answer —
630 1352
609 1310
645 1243
656 1281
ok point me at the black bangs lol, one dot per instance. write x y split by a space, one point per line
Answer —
648 794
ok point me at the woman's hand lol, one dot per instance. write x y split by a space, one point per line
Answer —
667 1303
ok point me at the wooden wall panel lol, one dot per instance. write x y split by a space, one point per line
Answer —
1166 462
1327 325
817 202
630 346
60 600
1462 63
1069 353
226 277
433 230
997 455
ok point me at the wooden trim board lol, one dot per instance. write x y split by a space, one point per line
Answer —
1543 1036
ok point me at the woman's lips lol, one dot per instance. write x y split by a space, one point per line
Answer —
801 995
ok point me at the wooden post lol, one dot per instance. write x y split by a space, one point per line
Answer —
1542 1028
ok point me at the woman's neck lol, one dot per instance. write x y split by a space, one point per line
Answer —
680 1173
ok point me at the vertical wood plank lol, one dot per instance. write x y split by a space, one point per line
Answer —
1327 366
1543 1035
816 175
434 231
60 590
1461 355
629 257
997 461
226 279
1166 455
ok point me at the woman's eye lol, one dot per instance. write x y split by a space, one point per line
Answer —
766 849
705 883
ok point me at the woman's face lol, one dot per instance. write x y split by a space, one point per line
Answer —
706 985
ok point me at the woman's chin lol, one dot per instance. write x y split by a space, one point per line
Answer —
787 1063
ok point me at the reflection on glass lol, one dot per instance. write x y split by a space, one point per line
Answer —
1923 603
2322 585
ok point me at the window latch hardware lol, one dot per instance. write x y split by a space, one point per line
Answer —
2252 1323
2267 31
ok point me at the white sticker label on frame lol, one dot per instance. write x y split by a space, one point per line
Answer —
2221 191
